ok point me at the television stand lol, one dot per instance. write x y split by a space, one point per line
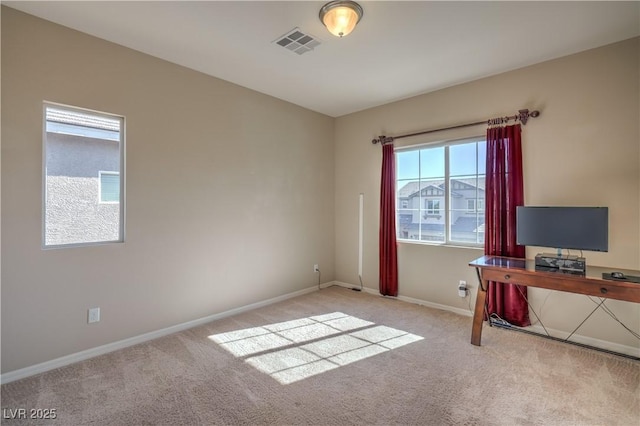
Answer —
524 272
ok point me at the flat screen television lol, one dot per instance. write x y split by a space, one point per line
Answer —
577 228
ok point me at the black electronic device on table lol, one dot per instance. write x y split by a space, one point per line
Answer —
620 276
569 263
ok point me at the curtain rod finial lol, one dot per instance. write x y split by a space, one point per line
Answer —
524 114
383 140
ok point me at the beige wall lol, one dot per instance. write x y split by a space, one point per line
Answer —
232 195
229 196
584 149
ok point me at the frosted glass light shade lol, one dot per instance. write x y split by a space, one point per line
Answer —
340 17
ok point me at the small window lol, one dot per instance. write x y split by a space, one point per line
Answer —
474 205
109 187
433 206
83 179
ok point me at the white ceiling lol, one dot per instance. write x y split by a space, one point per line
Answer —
399 49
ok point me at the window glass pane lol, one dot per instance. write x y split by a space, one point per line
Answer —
109 187
433 232
482 157
432 162
480 211
466 227
407 208
432 217
466 222
81 204
407 164
462 159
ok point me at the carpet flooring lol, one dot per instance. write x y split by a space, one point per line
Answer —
337 357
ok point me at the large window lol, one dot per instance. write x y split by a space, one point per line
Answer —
83 177
440 192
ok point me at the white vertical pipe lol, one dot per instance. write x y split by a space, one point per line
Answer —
360 234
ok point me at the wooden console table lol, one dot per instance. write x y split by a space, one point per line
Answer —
523 272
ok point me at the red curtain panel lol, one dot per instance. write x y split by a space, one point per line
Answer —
388 246
504 192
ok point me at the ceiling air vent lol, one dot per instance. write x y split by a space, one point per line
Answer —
297 41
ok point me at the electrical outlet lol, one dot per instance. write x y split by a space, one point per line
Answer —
94 315
462 288
316 268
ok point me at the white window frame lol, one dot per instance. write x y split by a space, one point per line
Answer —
122 216
447 192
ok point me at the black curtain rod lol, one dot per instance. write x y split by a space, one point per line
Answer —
523 115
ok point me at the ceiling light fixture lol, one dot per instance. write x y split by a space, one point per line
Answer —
341 16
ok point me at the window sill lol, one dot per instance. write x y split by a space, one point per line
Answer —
80 245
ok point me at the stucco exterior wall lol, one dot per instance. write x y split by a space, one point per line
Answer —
73 212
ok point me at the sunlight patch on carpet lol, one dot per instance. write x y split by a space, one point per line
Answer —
294 350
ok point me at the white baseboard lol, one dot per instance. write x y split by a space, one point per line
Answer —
577 338
586 340
413 300
345 285
459 311
121 344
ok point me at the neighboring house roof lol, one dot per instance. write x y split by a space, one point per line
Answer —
472 182
85 120
414 186
412 189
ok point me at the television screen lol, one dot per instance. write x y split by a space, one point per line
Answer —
578 228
